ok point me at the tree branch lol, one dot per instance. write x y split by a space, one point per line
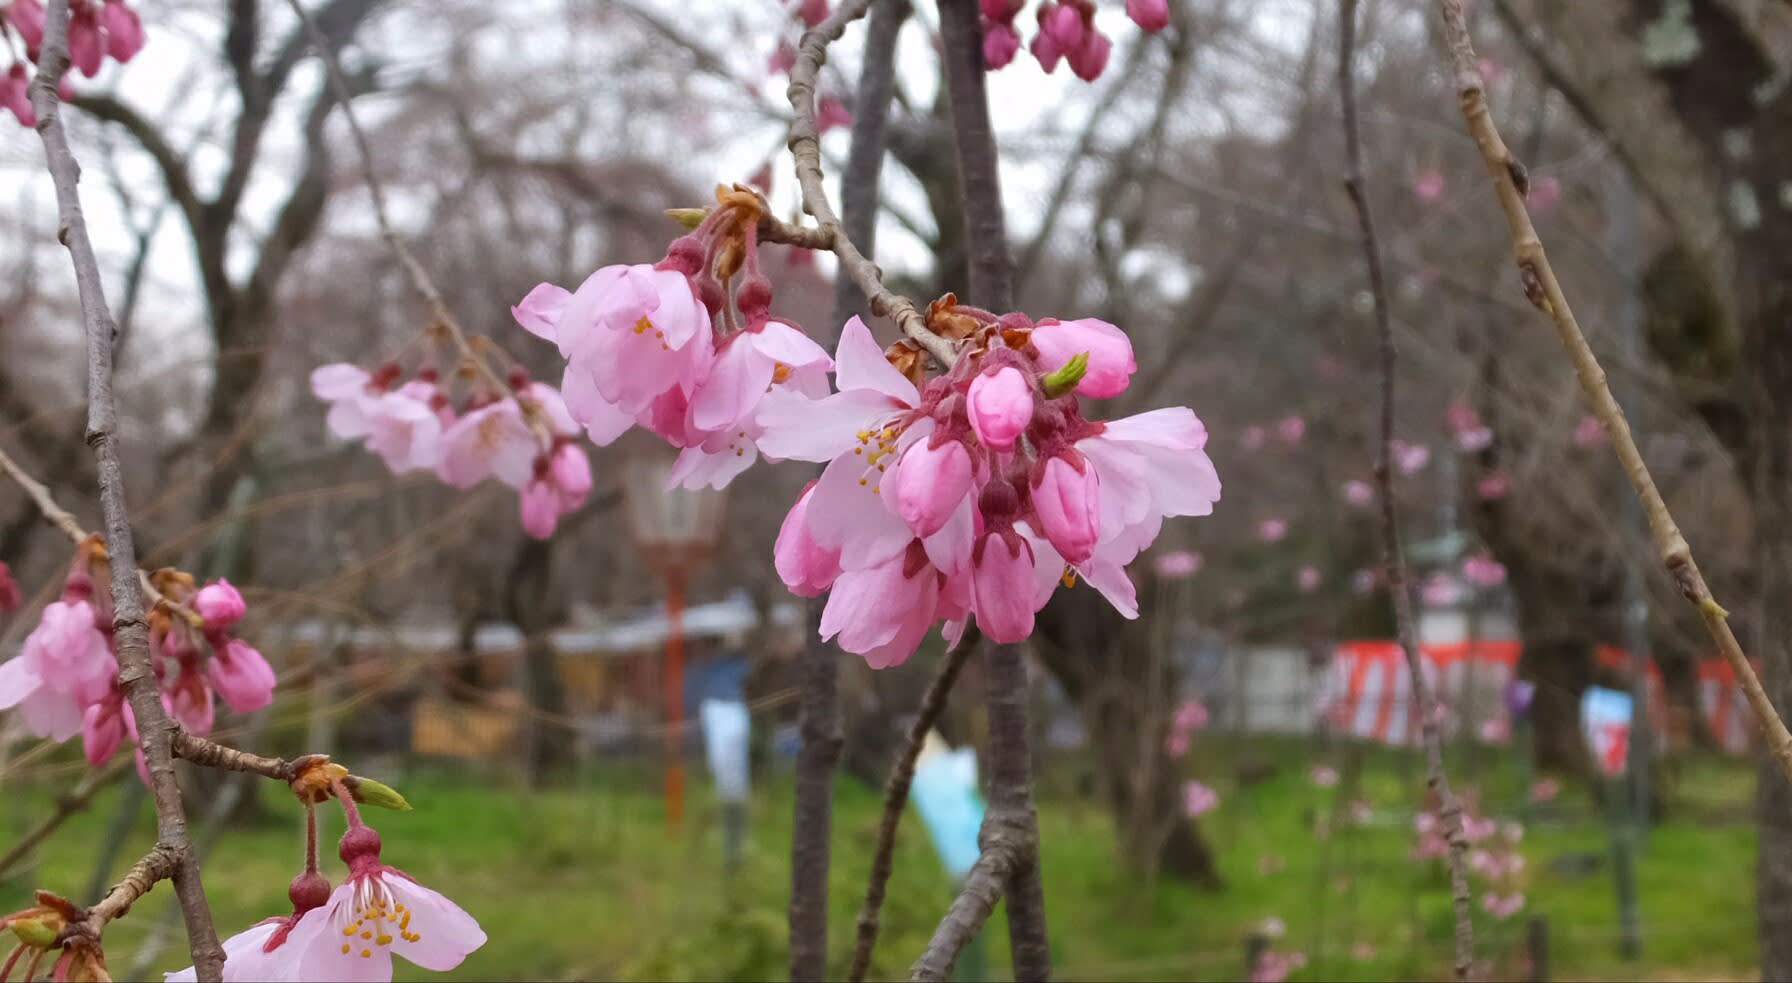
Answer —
902 775
1392 556
864 161
973 906
130 629
1545 292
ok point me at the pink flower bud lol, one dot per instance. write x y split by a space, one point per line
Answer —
241 676
1000 44
1067 500
929 482
1090 59
1111 362
804 566
15 95
813 12
219 604
1151 15
1065 25
27 17
540 507
102 730
1045 48
10 595
1000 11
1429 186
829 113
1000 405
1002 588
124 31
86 47
782 60
570 469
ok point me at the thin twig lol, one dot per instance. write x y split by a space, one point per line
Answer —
130 629
1544 291
902 775
67 804
805 147
1393 557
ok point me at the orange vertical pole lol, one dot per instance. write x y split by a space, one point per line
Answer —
674 681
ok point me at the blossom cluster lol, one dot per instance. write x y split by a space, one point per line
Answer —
974 492
97 30
64 681
1494 857
514 430
1066 33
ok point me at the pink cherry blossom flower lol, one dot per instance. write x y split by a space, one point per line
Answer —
1425 823
1178 564
1002 576
10 595
241 676
1589 432
1495 730
1291 429
1429 186
1308 579
1363 581
1091 59
1198 799
1151 15
1323 776
1440 590
1430 846
782 59
1176 744
1410 458
1483 570
27 17
805 566
86 40
1494 485
15 88
247 958
1272 530
1478 828
1000 406
1001 42
1545 789
1359 493
929 482
65 664
1191 715
1251 437
812 12
124 31
1492 72
1502 906
1111 362
1067 499
1546 191
103 728
378 912
493 440
220 604
882 612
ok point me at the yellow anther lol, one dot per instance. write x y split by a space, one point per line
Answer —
350 930
366 953
367 935
858 450
384 940
398 908
864 481
345 948
643 325
780 372
1069 578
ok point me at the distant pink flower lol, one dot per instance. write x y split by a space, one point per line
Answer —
1151 15
1274 967
241 676
782 59
1178 563
1483 570
1409 458
1425 823
812 12
1494 485
1308 579
65 664
1272 927
103 728
1472 441
1001 42
1492 72
86 40
1272 530
1502 906
1460 416
1545 789
1429 186
1495 730
1176 744
1589 432
378 912
1198 798
493 440
220 604
830 112
1291 429
10 595
560 486
1359 493
1363 950
1363 581
1478 828
27 17
1360 812
1440 590
1546 191
1090 60
124 31
1111 361
1323 776
1191 715
1251 437
15 88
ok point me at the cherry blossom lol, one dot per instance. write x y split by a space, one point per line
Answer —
1358 493
1308 579
1272 530
1324 776
1589 432
1429 186
10 595
1291 429
1198 798
65 664
1483 570
1151 15
1178 564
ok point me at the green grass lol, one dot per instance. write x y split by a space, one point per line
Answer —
583 881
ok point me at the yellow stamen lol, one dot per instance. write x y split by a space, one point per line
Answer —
345 948
643 325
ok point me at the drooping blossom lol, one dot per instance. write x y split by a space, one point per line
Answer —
10 595
1409 458
1177 564
1111 361
1067 33
266 951
241 676
96 30
15 93
403 425
65 664
1359 493
1151 15
1001 42
1483 570
1474 440
1198 799
811 12
1272 530
377 912
1190 717
1476 828
782 59
220 604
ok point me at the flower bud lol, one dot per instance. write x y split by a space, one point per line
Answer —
369 792
307 891
1000 44
358 843
1066 377
220 604
929 482
1000 405
1067 500
1002 587
38 928
571 471
1151 15
1111 362
241 676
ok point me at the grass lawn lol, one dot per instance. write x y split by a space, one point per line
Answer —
582 881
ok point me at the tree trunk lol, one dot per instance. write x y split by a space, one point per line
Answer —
548 743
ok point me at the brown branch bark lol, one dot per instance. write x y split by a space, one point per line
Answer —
812 821
805 147
1545 292
865 159
1393 557
902 775
130 630
975 902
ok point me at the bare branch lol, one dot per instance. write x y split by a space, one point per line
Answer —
1392 556
130 629
1545 292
